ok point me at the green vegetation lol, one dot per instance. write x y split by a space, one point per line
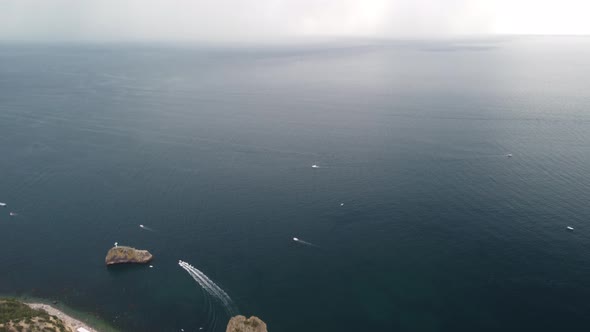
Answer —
17 316
11 309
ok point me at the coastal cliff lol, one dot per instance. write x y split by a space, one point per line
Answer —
17 316
243 324
121 255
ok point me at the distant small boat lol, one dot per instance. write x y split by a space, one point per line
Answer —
341 204
509 155
12 214
315 166
2 204
570 228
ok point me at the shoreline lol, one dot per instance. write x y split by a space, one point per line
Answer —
68 320
84 317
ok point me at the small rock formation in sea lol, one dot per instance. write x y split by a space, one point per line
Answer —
121 254
243 324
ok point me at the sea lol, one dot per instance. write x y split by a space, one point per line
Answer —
429 183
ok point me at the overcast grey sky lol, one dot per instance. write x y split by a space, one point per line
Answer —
229 20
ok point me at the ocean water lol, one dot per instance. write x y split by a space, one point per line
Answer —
211 147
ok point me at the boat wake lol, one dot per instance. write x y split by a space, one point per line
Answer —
146 228
298 240
211 288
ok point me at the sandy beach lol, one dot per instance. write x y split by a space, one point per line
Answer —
70 322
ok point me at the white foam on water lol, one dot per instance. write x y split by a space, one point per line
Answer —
146 228
210 287
298 240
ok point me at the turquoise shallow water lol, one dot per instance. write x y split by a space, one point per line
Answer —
212 148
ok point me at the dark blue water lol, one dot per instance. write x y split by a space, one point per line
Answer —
212 148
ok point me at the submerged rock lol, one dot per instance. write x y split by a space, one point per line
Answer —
243 324
121 255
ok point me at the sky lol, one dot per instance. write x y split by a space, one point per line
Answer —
254 20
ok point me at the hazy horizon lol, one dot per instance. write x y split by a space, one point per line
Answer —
284 20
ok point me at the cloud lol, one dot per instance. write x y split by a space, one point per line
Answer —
276 19
542 17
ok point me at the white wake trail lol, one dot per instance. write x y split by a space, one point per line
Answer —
298 240
206 284
146 228
210 287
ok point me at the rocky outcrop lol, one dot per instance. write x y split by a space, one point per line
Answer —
243 324
122 255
